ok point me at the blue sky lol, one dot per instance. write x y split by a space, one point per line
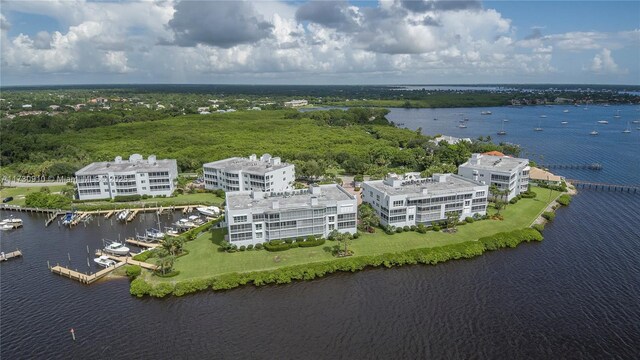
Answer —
302 42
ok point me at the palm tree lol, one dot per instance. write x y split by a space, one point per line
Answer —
452 219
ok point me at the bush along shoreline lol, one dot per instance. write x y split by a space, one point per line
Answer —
285 275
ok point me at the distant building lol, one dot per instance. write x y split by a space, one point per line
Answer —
540 176
99 100
506 173
450 139
410 200
255 217
136 176
268 174
296 103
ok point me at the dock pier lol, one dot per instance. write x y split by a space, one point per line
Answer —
11 255
631 189
142 243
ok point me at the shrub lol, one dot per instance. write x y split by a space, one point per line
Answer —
133 271
242 248
190 286
413 228
250 247
300 239
538 227
399 229
258 246
356 235
170 274
311 238
312 243
289 241
126 198
513 201
548 215
276 245
436 227
421 228
161 290
139 287
510 239
406 228
564 200
469 219
144 256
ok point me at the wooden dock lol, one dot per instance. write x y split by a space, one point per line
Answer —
142 243
591 166
83 277
52 218
27 209
11 255
127 260
632 189
132 215
108 215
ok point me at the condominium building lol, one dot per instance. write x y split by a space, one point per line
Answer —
255 217
268 174
410 199
296 103
136 176
506 173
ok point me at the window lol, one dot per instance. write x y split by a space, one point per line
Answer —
480 194
398 203
258 226
411 217
258 235
332 227
240 219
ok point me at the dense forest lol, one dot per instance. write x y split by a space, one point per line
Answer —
357 141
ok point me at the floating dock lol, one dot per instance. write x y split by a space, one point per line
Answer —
11 255
127 260
84 278
142 243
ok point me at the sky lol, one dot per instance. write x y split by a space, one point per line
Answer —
56 42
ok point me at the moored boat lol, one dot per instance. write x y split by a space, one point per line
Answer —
122 215
210 211
116 248
104 261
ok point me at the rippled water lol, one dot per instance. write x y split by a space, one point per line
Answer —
575 295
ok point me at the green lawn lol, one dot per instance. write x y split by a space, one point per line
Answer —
185 199
204 260
19 193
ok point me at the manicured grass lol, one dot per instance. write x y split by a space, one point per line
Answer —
184 199
205 259
19 193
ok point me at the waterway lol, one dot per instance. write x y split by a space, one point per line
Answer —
575 295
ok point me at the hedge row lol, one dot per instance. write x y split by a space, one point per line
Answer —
282 246
310 271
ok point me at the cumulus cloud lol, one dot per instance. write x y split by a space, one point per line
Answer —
220 23
443 5
332 14
317 41
603 63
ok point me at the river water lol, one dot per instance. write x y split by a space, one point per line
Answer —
575 295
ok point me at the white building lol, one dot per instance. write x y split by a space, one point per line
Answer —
296 103
136 176
452 140
255 217
240 174
410 200
507 173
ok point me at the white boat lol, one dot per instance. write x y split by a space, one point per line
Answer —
11 221
122 215
185 224
635 122
543 116
593 133
210 211
539 128
196 220
603 122
626 130
172 232
502 132
154 234
104 261
617 115
564 122
485 113
116 248
462 126
565 111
